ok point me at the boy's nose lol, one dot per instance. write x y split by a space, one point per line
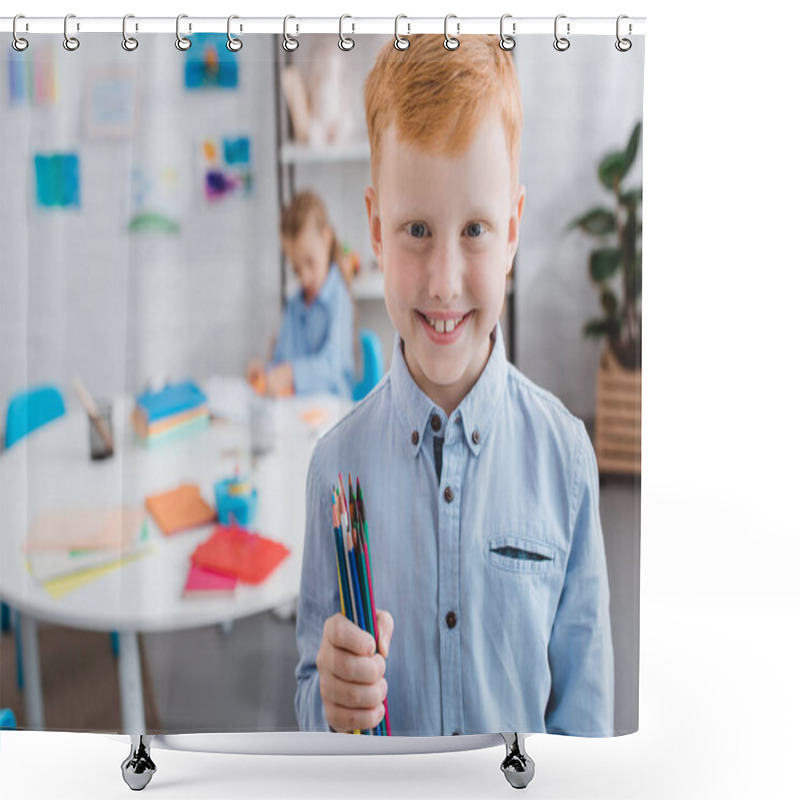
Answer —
445 271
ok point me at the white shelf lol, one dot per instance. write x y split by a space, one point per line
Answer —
368 285
294 153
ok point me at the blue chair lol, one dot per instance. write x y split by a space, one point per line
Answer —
7 720
372 359
30 409
27 411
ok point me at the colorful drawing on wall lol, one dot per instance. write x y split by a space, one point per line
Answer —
226 167
110 104
155 200
57 180
32 80
209 63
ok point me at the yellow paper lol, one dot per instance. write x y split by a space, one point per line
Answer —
58 587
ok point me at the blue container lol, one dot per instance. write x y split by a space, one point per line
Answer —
241 506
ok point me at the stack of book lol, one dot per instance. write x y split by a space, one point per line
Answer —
67 548
169 413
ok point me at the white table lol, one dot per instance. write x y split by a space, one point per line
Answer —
51 469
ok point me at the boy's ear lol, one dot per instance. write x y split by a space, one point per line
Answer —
514 227
371 200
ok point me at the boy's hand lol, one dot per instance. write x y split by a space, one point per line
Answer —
256 376
279 381
351 673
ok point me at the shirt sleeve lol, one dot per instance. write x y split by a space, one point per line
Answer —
581 658
331 367
283 347
318 600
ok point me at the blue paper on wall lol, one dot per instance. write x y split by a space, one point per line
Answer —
209 63
57 180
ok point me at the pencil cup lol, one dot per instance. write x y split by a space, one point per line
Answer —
98 446
263 430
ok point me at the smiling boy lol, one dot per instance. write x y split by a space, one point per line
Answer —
481 489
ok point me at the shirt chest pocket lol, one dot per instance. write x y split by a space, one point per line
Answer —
521 554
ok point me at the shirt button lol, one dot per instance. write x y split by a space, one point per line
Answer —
415 438
476 437
436 423
451 619
449 494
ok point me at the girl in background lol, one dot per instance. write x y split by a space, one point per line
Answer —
315 348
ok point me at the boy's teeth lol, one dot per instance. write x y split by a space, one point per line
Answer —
443 326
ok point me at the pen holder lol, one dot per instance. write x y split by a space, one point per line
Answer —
241 506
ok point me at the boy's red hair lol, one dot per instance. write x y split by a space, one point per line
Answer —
437 98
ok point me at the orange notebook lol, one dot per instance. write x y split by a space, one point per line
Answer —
180 509
235 551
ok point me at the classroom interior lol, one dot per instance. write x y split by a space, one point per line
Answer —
134 273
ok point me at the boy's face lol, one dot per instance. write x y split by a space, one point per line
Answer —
444 230
309 254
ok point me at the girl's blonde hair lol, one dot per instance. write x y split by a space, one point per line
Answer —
307 208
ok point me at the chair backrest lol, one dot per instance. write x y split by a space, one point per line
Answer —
372 360
30 409
7 720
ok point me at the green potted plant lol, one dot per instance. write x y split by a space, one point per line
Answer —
615 268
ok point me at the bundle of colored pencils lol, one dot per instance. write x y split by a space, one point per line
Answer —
355 574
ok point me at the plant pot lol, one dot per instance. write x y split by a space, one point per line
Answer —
618 424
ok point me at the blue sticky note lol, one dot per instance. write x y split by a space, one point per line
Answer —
237 151
57 180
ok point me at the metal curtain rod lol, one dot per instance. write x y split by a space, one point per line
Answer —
300 25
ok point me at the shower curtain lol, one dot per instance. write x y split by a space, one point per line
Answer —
179 552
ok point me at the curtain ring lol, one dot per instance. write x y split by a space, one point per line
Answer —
451 42
623 45
506 42
70 43
400 42
290 44
128 42
561 43
181 42
234 43
345 42
18 43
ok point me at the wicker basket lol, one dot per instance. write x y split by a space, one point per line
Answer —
618 427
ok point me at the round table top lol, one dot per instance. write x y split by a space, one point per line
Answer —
51 470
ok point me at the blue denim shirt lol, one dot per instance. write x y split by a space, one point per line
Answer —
516 554
318 339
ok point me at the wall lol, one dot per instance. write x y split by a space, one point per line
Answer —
79 293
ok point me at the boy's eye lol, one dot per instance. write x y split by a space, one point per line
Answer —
417 230
474 229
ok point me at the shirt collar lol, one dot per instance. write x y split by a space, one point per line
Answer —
474 414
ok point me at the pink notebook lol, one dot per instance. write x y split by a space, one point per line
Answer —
202 581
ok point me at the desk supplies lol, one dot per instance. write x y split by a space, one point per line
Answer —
234 551
236 499
101 423
169 413
67 548
180 509
205 582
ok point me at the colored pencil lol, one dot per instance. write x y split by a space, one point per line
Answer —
336 535
387 727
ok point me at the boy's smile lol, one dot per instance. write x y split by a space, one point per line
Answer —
445 229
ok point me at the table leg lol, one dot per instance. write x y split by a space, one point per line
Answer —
130 684
34 703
